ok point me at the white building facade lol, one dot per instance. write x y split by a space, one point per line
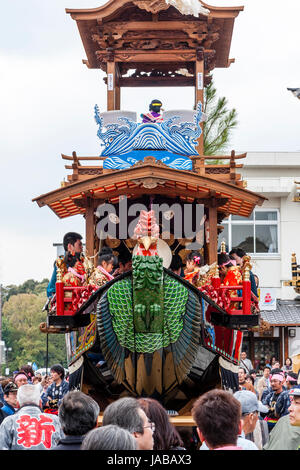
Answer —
270 236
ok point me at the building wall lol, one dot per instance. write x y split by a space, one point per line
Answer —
273 175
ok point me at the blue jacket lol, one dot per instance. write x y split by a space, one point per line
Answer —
51 286
8 409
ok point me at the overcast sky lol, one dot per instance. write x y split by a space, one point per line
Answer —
47 98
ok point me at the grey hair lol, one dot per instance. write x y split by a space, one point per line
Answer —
29 395
78 413
124 413
109 437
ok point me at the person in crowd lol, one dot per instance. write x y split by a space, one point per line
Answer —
28 371
109 437
72 244
57 389
238 254
165 435
243 384
177 265
250 380
128 414
245 362
194 261
37 381
20 378
283 436
217 414
253 429
29 428
253 374
1 395
264 382
102 274
277 399
125 264
10 399
291 380
78 414
288 365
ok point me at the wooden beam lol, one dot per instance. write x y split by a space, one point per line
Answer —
111 83
149 81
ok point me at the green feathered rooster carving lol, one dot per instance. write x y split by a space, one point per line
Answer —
149 323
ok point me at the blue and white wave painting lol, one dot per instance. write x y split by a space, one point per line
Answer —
122 162
180 140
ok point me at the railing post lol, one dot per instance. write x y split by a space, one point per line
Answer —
60 307
246 291
215 280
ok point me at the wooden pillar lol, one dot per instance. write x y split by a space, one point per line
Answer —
199 90
111 86
213 232
89 227
117 88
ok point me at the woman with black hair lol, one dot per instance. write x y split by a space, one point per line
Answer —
102 273
194 261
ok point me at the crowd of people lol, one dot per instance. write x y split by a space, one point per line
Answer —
41 413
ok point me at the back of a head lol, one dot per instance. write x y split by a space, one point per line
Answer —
176 263
78 413
165 435
106 254
217 414
110 437
29 395
224 258
70 237
125 414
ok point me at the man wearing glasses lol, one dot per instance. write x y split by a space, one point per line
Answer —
127 413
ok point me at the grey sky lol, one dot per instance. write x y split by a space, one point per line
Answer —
47 99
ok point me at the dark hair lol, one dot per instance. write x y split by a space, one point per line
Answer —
125 258
71 237
78 413
165 436
176 263
276 371
109 437
288 358
28 370
58 368
106 254
238 251
70 260
195 254
124 412
217 414
155 106
248 376
224 258
253 371
294 376
243 368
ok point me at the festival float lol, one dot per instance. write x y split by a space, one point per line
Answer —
152 195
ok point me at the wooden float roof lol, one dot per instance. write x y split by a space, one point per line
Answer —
149 177
90 21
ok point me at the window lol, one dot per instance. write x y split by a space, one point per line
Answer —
257 234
